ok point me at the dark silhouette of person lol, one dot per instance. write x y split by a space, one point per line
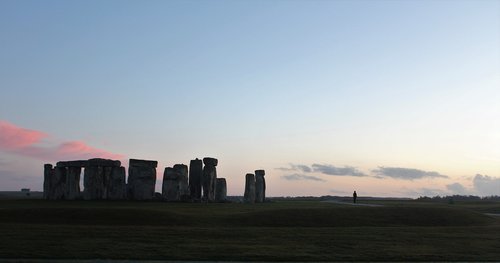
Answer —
354 196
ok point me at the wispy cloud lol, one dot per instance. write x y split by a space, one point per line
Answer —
333 170
405 173
327 169
296 167
25 142
302 177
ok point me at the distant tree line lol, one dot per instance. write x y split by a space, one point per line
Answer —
454 198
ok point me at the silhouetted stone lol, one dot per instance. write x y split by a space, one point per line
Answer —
209 179
93 183
78 163
260 186
182 171
141 179
195 175
170 186
221 190
103 162
249 196
48 176
73 183
116 187
210 161
58 184
143 163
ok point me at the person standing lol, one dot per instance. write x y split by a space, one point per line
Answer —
354 197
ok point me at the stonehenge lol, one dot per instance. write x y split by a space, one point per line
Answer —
105 179
249 196
209 179
260 186
255 187
141 179
195 175
221 190
175 183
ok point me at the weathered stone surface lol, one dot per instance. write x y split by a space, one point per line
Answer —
260 186
78 163
170 186
221 190
143 163
141 179
94 183
210 161
103 162
73 183
209 179
116 186
48 176
58 184
182 170
249 196
195 175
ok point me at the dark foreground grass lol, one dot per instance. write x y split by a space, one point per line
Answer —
294 231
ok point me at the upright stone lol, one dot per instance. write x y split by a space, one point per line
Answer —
249 189
260 186
117 188
170 186
58 184
221 190
141 179
73 182
182 171
94 183
209 178
195 175
48 176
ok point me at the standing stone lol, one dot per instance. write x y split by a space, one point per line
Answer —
195 175
182 171
58 184
209 178
73 183
170 186
93 183
141 179
48 176
221 190
260 186
249 189
116 185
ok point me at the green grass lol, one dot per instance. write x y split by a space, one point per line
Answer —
294 231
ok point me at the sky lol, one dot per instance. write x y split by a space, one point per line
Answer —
388 98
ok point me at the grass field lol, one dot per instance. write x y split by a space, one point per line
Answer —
280 231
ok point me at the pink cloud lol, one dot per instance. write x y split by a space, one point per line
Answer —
21 141
13 137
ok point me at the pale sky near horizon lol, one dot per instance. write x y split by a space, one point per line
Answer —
388 98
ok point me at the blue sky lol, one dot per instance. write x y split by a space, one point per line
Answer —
262 84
